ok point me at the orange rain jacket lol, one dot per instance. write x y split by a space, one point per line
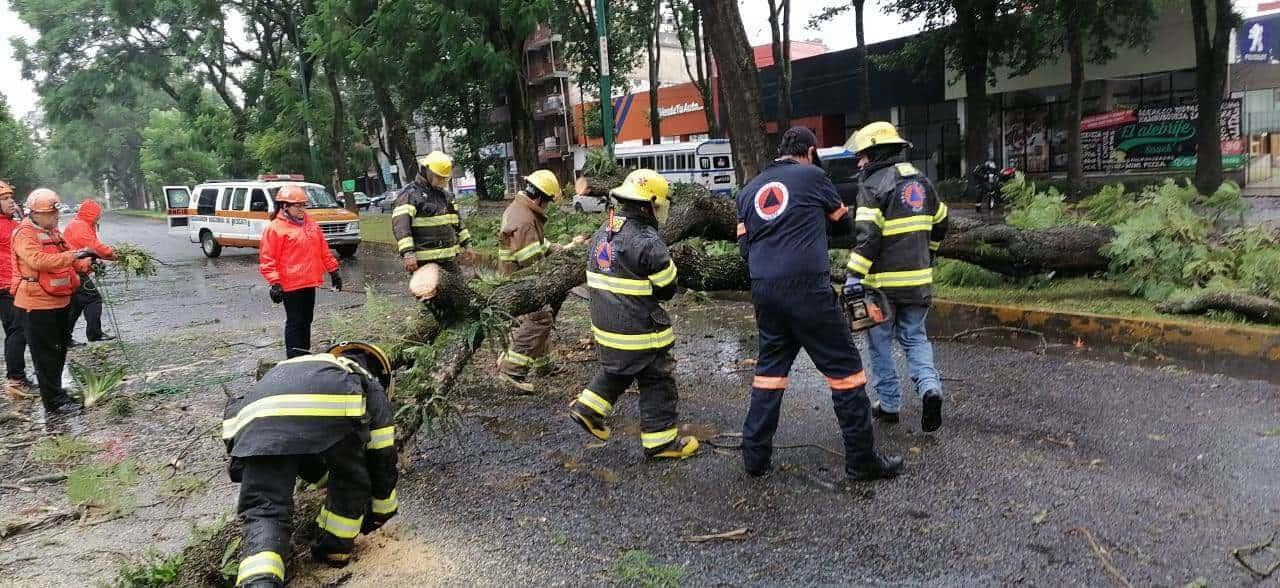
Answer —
294 255
37 251
82 233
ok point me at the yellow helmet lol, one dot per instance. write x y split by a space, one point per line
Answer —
545 181
643 185
439 164
876 133
381 371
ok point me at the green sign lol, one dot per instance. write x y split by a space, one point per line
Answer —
348 185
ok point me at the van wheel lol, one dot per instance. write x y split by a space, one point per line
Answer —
347 250
208 245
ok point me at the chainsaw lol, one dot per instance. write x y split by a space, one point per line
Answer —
868 310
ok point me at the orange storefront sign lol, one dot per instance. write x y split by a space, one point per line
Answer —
680 109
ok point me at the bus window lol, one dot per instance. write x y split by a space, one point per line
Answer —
670 161
208 198
704 162
647 162
657 164
722 162
633 163
683 161
238 197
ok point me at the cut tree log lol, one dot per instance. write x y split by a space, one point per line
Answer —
1255 308
596 186
1066 251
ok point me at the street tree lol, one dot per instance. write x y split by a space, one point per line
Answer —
862 69
688 25
19 158
629 29
736 68
172 153
1211 24
655 60
780 28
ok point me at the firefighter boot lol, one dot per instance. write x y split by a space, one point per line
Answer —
681 448
590 420
328 551
853 411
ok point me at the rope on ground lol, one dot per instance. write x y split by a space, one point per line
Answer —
1102 556
1239 554
738 446
1044 343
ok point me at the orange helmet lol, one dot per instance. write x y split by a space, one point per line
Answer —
6 191
43 200
291 194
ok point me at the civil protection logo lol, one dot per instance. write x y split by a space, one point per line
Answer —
604 256
913 196
771 200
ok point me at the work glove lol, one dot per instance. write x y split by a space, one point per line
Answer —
336 279
852 287
277 293
86 254
410 263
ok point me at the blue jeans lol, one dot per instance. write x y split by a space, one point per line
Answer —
907 326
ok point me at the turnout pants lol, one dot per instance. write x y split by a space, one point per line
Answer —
87 301
796 313
266 506
46 332
15 338
299 310
530 343
658 398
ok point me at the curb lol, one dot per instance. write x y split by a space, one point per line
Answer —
1176 339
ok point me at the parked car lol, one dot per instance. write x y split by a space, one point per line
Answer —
583 203
362 200
387 200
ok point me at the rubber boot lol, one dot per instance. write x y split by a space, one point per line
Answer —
861 462
681 448
589 420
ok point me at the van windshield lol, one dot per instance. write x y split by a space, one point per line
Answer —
317 197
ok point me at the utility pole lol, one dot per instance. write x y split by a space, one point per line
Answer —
606 95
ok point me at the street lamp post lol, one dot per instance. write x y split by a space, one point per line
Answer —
606 95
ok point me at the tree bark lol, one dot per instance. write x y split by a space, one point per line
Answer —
523 142
975 49
397 135
737 68
655 59
780 28
337 135
864 68
1075 102
1255 308
1211 41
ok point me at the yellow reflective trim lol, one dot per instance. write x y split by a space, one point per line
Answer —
382 438
311 405
858 263
942 212
314 357
865 214
641 342
651 440
387 506
900 279
506 255
595 402
263 562
910 224
934 245
408 209
434 254
464 235
440 220
405 244
529 251
624 286
338 525
516 359
664 277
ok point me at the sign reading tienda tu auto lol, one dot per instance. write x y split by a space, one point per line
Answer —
1153 139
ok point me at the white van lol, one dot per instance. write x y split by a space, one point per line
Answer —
233 213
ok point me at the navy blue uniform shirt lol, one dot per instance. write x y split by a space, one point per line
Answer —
784 212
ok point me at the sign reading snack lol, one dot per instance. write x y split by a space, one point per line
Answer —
1152 139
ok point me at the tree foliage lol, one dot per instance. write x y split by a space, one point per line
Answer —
19 159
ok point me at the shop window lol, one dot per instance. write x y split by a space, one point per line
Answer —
1183 88
913 114
942 111
1155 90
1126 94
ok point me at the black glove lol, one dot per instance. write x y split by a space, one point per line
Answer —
85 254
277 293
336 279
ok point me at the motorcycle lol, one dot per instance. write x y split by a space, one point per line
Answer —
985 182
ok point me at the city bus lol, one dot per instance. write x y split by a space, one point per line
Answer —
708 163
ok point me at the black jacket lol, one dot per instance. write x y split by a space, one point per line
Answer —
629 272
898 225
425 222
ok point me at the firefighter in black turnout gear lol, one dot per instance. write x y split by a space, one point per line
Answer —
784 217
325 418
630 273
425 222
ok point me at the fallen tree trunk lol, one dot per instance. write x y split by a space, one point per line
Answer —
1066 251
1255 308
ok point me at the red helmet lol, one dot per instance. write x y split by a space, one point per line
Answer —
43 200
291 194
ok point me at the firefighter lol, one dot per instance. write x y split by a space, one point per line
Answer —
424 221
15 340
900 222
45 277
324 418
784 217
629 273
82 231
521 243
293 258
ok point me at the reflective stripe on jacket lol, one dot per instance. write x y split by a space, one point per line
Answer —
899 221
629 271
521 240
296 256
425 222
38 251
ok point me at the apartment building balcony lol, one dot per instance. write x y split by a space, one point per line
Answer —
551 150
541 37
549 106
545 70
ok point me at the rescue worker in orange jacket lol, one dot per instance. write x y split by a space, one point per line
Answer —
293 258
521 243
15 340
46 277
82 232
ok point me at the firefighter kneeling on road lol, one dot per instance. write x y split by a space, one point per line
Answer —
900 223
338 433
629 272
784 216
521 243
424 221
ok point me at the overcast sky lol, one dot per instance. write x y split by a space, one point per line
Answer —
836 34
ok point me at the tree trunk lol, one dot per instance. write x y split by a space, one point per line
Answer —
337 136
780 29
1075 102
737 79
398 137
655 59
706 73
1211 40
524 144
864 68
1255 308
975 50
